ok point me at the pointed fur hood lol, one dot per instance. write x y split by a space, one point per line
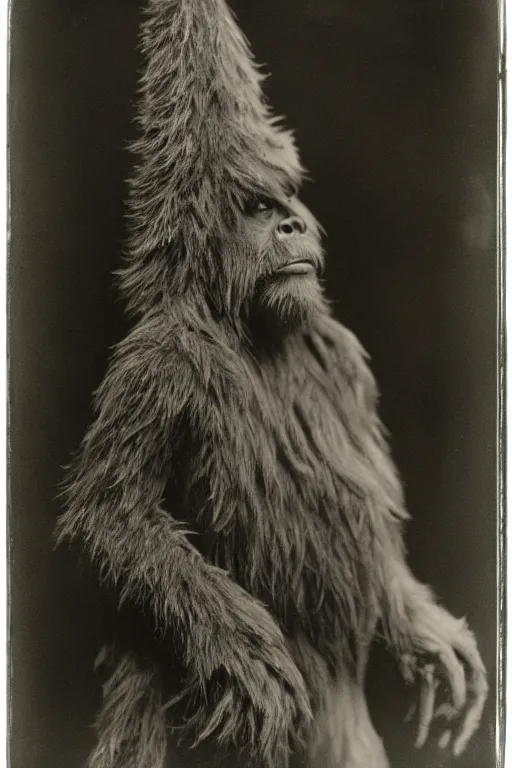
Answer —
207 139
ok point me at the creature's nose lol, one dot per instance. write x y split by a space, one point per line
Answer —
292 225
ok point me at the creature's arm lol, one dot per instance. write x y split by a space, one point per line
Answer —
246 686
430 643
435 648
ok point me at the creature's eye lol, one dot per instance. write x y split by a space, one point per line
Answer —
259 205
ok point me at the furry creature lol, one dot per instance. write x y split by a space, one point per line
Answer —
236 487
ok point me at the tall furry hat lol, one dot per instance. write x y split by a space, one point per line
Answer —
208 141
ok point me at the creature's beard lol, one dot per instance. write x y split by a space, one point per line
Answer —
286 303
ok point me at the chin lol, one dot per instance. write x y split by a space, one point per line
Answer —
289 304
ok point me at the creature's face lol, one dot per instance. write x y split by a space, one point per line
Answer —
284 253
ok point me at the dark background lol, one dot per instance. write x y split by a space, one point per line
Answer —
394 104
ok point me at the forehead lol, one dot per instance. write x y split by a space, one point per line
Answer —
279 188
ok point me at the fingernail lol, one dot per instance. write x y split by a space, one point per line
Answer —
421 739
410 713
445 739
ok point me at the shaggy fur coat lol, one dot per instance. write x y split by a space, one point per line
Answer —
241 496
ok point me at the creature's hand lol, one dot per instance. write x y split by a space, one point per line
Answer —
244 687
446 655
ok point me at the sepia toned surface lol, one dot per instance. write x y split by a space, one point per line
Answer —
394 110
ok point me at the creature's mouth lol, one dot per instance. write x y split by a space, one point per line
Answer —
298 267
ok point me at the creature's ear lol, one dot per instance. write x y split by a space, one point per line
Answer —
206 131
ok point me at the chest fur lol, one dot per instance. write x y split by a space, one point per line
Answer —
292 487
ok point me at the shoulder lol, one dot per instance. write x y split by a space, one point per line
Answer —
154 348
171 351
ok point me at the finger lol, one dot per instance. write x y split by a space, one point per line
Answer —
426 707
408 664
445 739
454 672
479 689
466 646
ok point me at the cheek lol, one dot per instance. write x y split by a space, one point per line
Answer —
242 263
259 231
261 243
